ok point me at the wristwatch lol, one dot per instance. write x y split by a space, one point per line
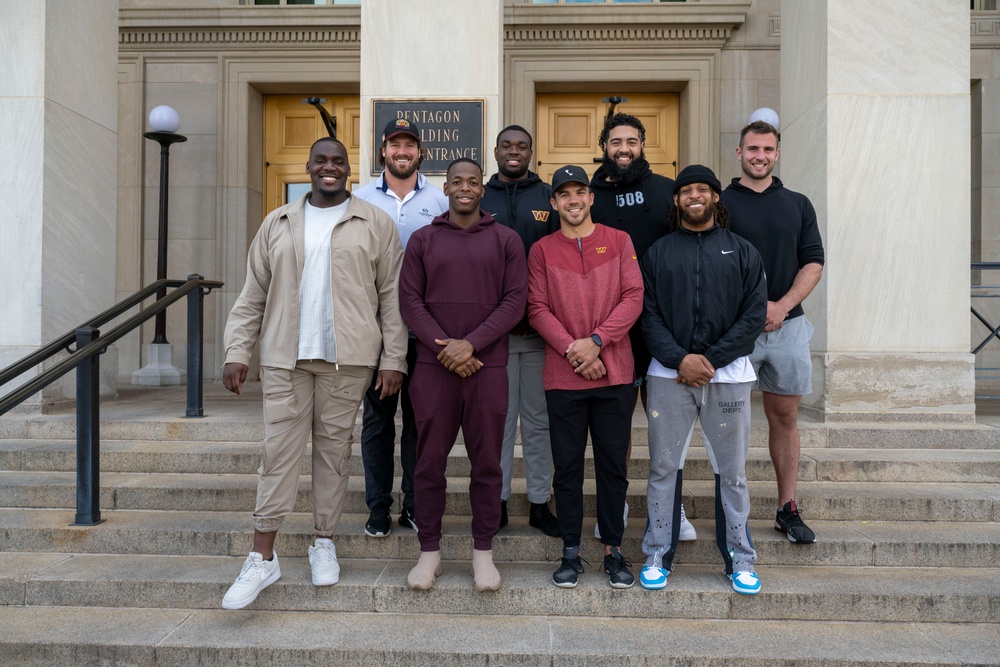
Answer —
596 339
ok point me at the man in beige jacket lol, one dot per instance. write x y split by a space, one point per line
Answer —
321 300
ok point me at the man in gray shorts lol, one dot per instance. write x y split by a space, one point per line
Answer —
781 225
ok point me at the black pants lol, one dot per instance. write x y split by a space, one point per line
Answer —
607 413
378 440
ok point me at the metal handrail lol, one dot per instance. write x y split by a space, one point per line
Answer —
90 345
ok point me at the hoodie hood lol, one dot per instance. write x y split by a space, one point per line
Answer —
485 220
776 184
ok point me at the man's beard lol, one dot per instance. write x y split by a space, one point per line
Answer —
402 175
512 174
707 213
636 168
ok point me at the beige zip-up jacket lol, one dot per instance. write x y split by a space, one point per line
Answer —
365 258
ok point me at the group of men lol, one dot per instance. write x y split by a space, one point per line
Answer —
512 302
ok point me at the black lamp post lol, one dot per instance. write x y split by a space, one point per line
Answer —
164 121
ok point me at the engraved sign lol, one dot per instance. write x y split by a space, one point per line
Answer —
449 129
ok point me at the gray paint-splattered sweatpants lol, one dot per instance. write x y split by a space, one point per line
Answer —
724 411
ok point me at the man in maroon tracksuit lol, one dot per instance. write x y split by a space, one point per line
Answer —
463 287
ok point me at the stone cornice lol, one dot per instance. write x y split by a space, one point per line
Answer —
239 27
984 30
663 24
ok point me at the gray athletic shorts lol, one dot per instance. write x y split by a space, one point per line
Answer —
782 361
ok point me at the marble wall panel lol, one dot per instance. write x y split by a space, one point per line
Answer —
898 47
81 71
21 31
990 198
186 73
192 163
769 95
196 103
981 64
991 105
738 99
989 159
803 57
21 234
80 204
898 237
191 214
463 65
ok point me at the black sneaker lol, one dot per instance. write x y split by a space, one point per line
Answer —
788 522
406 519
542 519
504 519
617 568
379 523
569 570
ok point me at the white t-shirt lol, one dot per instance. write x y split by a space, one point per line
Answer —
740 370
316 337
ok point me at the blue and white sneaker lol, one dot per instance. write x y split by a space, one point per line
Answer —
747 583
653 578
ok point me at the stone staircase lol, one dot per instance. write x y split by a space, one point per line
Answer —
904 572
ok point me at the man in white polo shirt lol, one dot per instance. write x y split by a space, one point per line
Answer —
404 193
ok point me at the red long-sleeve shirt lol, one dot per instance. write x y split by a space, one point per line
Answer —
579 287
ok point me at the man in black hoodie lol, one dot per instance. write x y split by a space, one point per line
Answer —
519 199
781 225
630 197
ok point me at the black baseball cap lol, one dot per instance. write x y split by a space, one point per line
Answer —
400 126
569 174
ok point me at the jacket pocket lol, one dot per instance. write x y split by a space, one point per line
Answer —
280 403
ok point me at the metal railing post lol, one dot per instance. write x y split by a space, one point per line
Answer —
195 353
88 436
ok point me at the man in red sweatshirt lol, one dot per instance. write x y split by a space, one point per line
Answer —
462 289
585 293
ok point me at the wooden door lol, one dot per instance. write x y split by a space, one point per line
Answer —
290 128
569 126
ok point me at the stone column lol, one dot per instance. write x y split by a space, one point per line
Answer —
875 113
426 49
58 109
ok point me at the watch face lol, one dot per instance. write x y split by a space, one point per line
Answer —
596 339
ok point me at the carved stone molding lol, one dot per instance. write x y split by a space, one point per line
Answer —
984 30
664 24
238 27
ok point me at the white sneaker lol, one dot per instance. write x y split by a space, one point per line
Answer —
256 575
687 532
323 562
597 526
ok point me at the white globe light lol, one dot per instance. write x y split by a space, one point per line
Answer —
769 116
164 119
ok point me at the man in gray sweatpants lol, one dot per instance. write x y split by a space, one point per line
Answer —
705 304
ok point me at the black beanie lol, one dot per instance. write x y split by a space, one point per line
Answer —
696 173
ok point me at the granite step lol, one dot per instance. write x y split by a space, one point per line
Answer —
843 544
885 501
183 637
823 464
873 594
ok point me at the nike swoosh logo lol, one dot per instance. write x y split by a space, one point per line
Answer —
726 252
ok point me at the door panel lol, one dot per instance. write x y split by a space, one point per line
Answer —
569 126
291 127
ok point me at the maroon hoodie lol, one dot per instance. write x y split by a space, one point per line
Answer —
463 283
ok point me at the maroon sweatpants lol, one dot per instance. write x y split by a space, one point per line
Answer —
442 401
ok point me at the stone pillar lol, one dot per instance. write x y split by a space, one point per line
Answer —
875 113
431 49
58 109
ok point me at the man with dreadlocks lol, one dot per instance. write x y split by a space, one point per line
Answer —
630 197
705 304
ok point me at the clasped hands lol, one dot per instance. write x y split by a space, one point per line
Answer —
583 354
458 356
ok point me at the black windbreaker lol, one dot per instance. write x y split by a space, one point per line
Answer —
705 294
